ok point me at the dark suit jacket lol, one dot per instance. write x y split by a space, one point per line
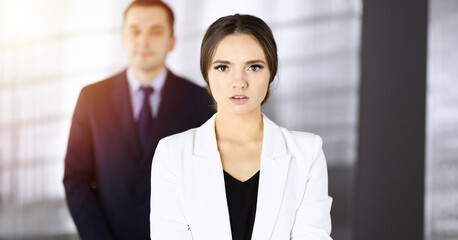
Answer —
107 175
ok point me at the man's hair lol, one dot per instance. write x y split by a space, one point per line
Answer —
153 3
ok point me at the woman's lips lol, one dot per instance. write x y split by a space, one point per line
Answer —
239 99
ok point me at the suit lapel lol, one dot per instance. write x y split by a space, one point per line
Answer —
275 162
167 109
169 98
120 97
210 187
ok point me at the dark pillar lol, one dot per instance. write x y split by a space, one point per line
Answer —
389 193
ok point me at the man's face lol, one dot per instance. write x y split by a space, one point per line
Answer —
147 38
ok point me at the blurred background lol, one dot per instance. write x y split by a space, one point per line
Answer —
50 49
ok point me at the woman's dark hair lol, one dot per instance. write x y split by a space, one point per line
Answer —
239 24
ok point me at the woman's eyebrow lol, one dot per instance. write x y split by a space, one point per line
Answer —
221 61
255 61
248 62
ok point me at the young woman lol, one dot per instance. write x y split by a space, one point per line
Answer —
239 176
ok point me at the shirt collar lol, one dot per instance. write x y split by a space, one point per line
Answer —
135 84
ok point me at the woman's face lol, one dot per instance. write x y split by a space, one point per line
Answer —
239 75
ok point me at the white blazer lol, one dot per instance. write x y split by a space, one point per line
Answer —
188 198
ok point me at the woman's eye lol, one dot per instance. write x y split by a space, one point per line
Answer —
222 68
255 68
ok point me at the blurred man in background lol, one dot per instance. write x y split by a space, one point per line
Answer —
117 124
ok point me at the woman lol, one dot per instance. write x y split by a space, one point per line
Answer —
239 176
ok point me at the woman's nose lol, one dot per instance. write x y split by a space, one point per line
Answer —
239 81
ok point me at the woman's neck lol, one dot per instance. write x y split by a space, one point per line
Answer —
239 128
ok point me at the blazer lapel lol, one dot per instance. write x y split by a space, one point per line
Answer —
120 97
210 187
275 162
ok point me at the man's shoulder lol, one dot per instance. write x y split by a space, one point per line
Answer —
105 84
185 82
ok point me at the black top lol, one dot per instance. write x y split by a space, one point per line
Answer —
241 201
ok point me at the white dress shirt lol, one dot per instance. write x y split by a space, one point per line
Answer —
136 94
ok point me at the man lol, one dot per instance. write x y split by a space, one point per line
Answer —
117 124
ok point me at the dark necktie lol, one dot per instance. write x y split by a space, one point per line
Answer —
145 119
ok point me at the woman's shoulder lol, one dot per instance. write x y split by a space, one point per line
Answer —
293 139
171 150
300 135
302 139
292 136
190 135
180 138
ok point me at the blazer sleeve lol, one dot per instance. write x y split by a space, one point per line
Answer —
167 217
79 177
313 220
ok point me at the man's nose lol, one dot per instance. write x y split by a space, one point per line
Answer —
143 39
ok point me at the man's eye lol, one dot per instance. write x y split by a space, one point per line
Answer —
222 68
156 32
134 32
255 68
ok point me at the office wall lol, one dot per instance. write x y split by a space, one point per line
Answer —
50 49
441 188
